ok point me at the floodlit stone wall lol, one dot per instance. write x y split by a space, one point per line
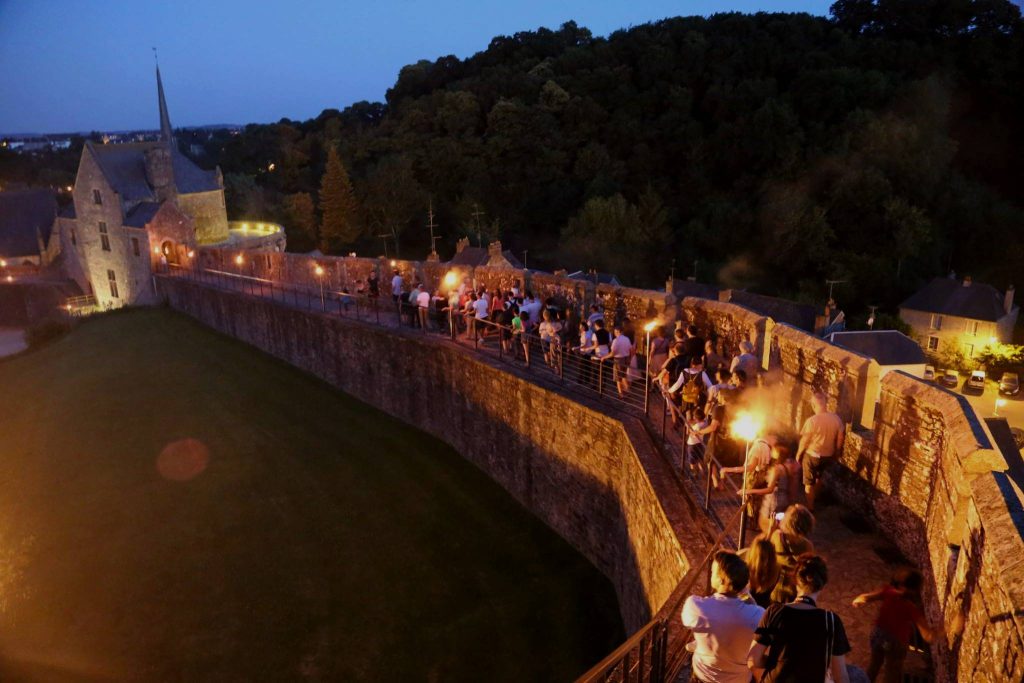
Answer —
805 364
601 485
929 474
733 324
209 212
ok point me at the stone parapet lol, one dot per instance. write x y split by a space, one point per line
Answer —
601 485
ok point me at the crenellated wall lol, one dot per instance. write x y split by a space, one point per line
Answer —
601 485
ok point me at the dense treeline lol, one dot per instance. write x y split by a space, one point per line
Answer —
880 146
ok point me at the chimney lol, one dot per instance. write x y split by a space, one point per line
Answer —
1008 299
967 280
461 244
160 172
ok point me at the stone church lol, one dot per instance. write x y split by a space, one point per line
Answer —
133 204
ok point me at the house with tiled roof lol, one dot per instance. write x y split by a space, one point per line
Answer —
491 255
970 314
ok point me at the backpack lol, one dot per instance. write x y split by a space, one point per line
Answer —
692 389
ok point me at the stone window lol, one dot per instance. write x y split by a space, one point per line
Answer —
936 322
97 198
972 327
74 238
104 237
969 350
135 246
112 278
933 343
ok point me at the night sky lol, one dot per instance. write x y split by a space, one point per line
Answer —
74 66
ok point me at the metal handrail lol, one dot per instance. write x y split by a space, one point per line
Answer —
620 664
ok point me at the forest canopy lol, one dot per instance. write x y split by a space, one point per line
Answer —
880 146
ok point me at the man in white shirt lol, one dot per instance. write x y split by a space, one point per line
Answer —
396 287
621 353
480 310
423 304
722 624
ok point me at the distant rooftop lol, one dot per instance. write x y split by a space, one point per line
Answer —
965 299
888 347
25 216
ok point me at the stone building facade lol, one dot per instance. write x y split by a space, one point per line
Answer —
134 205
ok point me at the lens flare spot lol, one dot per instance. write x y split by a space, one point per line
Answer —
183 460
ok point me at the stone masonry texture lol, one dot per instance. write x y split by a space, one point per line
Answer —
600 484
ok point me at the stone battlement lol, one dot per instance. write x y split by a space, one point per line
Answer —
917 459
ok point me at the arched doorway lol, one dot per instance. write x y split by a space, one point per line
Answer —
170 252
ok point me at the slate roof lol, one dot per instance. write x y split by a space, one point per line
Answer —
480 256
471 256
22 214
142 214
888 347
124 167
798 315
950 297
602 278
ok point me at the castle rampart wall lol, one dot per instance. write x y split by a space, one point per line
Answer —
601 484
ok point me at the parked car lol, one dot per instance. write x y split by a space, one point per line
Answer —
949 378
1009 384
975 384
929 373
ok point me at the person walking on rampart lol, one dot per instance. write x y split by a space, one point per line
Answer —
396 287
821 441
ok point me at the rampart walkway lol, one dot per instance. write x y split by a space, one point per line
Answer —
860 558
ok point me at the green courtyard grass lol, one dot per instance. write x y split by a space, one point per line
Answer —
323 540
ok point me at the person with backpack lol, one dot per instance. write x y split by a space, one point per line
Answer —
798 641
898 615
692 384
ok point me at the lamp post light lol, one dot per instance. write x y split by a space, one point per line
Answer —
319 270
746 426
648 328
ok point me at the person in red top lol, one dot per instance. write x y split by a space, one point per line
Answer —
894 626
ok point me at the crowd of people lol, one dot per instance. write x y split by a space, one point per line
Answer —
762 621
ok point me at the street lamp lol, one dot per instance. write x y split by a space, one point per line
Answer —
745 426
450 280
648 328
320 276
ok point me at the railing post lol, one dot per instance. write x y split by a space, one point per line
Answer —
476 334
600 377
707 487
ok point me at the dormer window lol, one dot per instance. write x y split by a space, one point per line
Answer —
97 198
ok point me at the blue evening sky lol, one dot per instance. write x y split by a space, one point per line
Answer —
80 66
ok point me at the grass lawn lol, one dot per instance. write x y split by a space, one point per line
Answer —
299 535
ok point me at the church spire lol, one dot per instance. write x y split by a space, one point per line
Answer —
166 132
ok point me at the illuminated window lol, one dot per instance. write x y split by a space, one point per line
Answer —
135 246
936 321
933 343
113 284
97 198
104 238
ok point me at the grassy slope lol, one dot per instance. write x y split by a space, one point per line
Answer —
324 541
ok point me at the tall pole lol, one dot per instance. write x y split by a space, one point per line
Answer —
476 221
743 500
647 368
432 225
